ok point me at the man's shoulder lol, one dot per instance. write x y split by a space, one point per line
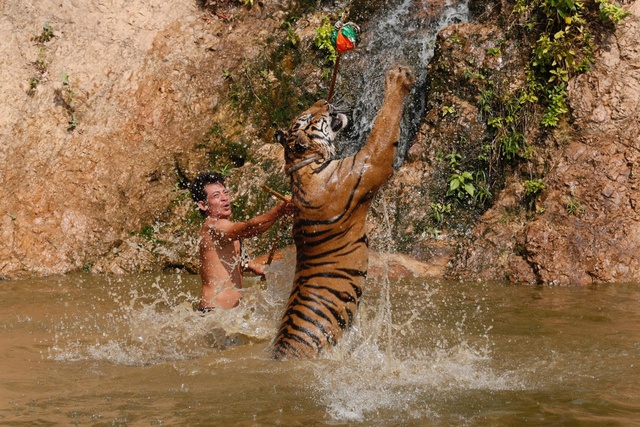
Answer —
217 229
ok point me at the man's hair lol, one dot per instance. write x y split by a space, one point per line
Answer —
203 179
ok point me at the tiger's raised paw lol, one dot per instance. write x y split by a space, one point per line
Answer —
400 78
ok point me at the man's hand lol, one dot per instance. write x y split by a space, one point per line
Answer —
286 207
258 270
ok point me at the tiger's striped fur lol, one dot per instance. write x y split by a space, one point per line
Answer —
332 198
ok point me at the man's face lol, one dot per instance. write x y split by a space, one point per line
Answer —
218 203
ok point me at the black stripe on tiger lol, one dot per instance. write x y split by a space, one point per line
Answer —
304 301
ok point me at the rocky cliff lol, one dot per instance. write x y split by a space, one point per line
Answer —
109 105
586 228
100 99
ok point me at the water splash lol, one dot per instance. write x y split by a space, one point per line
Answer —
150 320
437 349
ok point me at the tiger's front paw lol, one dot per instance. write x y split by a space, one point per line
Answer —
400 78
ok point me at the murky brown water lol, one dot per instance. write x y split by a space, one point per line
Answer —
89 350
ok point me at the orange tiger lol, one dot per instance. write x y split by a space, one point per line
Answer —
332 198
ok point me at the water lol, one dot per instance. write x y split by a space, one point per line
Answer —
91 350
401 35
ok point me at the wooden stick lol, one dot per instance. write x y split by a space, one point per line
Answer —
275 193
276 241
274 246
333 77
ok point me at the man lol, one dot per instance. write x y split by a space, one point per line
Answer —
221 254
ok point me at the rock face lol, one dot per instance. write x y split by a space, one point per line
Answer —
94 117
587 229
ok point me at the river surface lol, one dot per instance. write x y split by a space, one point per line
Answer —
128 351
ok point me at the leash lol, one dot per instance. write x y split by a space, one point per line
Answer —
302 164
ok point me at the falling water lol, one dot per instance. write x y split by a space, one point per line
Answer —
404 34
378 370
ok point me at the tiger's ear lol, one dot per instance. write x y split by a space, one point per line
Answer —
279 137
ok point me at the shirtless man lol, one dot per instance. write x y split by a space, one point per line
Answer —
221 262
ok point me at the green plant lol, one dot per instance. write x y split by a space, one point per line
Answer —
455 39
485 153
34 82
271 90
72 123
68 91
68 97
46 35
482 193
448 109
322 41
454 160
574 206
533 188
461 185
41 63
557 106
291 36
439 210
485 100
611 11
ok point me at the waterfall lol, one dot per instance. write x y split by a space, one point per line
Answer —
405 33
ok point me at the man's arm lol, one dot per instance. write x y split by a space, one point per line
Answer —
257 269
230 230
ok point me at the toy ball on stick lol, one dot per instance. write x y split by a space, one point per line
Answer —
344 38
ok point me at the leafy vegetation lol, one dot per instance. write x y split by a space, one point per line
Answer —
68 97
46 35
41 63
270 90
439 211
322 42
611 12
532 189
556 40
574 206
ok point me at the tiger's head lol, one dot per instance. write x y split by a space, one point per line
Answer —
312 134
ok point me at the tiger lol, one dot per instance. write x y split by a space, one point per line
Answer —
332 197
